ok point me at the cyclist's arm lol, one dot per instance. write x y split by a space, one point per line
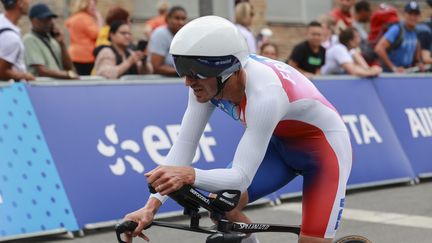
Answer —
264 110
194 121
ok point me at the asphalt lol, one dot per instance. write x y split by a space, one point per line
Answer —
392 214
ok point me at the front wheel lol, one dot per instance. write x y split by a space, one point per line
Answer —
353 239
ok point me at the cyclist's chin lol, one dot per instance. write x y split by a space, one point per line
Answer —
202 99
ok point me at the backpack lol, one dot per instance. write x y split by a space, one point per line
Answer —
5 29
381 20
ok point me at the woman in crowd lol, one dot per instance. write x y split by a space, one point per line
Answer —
328 25
160 42
339 58
244 14
83 27
118 59
114 14
269 50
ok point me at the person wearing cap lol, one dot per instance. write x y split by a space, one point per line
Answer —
12 49
407 53
46 53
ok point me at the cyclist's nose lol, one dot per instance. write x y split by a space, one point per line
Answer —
189 81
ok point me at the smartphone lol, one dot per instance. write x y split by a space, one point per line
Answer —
142 44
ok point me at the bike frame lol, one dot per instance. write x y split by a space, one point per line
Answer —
225 232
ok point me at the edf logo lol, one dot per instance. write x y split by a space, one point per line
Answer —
362 129
157 141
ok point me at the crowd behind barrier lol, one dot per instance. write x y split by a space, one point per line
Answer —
355 37
67 148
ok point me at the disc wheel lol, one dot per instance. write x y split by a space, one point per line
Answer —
353 239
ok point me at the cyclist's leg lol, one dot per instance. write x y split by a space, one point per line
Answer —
325 170
273 167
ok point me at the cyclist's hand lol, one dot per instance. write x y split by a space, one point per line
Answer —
143 217
167 179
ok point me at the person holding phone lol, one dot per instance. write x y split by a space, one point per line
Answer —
46 53
119 59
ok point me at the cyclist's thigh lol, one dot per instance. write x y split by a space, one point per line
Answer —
272 174
325 176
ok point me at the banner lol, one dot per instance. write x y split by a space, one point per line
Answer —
408 103
32 197
104 138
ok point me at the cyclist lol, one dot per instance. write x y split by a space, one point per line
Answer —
290 129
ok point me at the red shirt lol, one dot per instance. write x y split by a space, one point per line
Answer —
338 15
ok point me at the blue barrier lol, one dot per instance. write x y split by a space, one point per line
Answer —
32 196
103 138
377 153
408 102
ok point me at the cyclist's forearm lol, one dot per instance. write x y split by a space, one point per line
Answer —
153 205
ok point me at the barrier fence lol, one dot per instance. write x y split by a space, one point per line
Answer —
72 156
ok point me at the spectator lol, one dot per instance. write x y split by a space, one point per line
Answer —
309 56
264 37
424 35
12 49
83 26
342 14
339 60
244 14
117 60
160 42
160 20
362 16
329 36
398 57
114 14
45 51
269 50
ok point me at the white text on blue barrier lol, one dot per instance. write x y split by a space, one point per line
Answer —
420 121
156 139
362 129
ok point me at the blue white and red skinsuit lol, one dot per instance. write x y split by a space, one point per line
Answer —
290 128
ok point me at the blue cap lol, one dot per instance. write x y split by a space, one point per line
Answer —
41 11
412 6
8 3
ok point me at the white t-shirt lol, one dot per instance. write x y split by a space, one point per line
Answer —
11 47
249 37
333 40
335 57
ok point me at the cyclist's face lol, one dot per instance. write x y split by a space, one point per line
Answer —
204 89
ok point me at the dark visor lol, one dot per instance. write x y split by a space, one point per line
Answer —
206 67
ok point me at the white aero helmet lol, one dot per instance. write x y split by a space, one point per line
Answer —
209 46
